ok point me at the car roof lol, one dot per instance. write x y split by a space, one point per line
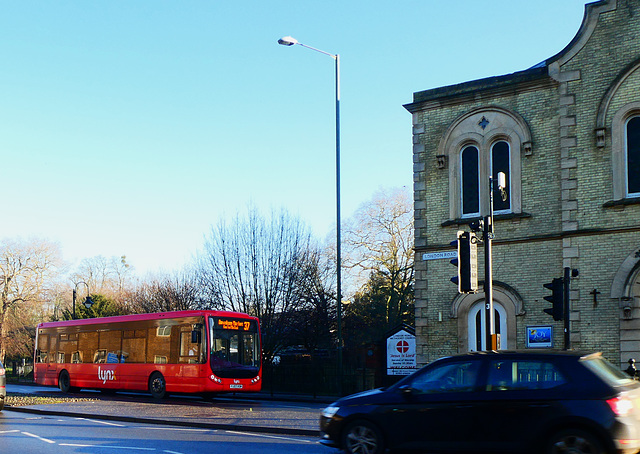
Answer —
527 353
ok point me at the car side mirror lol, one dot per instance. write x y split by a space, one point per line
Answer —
406 391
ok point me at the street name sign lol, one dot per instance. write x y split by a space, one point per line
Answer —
440 255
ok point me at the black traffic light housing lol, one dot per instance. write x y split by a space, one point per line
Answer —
467 262
556 298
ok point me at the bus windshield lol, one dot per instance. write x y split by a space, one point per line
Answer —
235 347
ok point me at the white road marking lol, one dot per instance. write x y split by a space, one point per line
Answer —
178 429
102 422
133 448
38 437
9 431
269 436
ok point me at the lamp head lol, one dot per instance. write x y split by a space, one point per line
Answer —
88 302
288 41
502 180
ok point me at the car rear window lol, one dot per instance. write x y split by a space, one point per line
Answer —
607 371
514 375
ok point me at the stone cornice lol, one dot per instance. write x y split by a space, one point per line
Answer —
478 90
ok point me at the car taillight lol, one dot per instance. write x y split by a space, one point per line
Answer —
621 406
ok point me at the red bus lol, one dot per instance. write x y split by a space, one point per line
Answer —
203 352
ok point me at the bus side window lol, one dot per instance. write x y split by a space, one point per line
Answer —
134 346
190 350
76 357
43 348
87 345
100 357
53 348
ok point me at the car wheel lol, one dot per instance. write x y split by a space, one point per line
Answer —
157 386
64 382
362 437
574 441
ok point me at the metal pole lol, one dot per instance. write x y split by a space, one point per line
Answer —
338 237
566 307
289 41
73 315
491 342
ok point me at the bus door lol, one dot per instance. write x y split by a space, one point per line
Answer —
48 354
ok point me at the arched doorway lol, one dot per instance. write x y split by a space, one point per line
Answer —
477 326
626 289
468 309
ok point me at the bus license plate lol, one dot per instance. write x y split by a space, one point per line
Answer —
235 386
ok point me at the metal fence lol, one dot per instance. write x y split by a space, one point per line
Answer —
19 370
302 376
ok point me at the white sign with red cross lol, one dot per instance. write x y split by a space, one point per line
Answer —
401 353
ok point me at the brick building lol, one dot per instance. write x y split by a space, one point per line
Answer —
567 134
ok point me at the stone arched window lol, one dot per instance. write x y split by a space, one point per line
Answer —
619 109
470 181
625 144
632 158
481 143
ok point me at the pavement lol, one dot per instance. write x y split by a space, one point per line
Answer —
295 415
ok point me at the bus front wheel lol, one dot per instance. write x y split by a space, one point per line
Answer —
157 386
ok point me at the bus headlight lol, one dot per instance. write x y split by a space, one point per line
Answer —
255 380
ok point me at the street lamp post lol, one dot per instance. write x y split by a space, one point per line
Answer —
289 41
88 302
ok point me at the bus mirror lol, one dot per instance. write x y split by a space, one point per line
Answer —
196 336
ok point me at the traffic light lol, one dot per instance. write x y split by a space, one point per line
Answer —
467 262
556 299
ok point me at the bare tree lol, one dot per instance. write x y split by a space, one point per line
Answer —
314 319
26 267
105 276
379 242
257 266
168 293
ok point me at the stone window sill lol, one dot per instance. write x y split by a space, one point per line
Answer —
622 202
496 217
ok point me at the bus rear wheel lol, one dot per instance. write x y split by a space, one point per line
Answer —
157 386
64 383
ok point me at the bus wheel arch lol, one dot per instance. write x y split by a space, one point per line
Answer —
157 385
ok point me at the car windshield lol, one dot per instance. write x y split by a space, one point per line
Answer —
607 371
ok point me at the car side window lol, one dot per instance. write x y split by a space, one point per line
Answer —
522 375
451 377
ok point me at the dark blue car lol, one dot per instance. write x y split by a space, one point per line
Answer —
507 401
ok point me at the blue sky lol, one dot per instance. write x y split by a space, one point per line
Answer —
131 127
